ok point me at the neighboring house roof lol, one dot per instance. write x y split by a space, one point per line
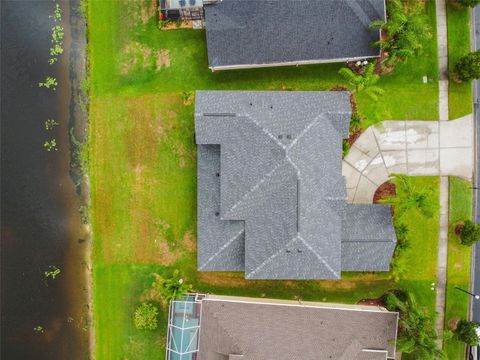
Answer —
252 329
271 197
252 33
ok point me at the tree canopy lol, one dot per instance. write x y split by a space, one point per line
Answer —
466 331
404 32
417 335
362 82
410 198
171 288
468 66
470 233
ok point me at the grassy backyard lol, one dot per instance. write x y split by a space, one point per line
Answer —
458 271
176 60
142 169
459 95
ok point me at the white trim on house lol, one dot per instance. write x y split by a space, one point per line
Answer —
283 302
290 63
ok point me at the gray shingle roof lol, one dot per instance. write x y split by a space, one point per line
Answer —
252 32
256 330
368 238
271 197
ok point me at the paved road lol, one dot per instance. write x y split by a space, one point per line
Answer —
476 263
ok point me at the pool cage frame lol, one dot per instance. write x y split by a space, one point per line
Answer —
192 348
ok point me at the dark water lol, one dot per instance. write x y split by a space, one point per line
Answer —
40 219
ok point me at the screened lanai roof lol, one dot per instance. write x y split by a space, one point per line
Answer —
184 328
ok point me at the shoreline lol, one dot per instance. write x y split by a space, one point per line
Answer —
78 124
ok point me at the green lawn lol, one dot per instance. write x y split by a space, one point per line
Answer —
459 95
458 271
116 34
142 170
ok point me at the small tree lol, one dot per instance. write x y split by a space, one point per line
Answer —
405 32
362 82
171 288
466 332
464 3
417 335
470 233
408 198
146 317
468 67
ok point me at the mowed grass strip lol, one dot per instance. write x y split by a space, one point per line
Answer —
459 95
459 258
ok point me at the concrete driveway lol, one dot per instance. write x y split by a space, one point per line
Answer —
422 148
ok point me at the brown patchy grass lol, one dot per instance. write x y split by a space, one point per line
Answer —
163 59
136 56
142 142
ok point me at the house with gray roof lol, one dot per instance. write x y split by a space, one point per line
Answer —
252 33
271 195
215 327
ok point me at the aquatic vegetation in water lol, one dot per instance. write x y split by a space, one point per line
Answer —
57 36
51 145
38 329
53 272
50 124
50 82
57 13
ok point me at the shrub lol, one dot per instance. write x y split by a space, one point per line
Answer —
466 332
345 147
355 120
408 197
470 233
468 67
362 82
464 3
417 335
146 317
405 31
171 288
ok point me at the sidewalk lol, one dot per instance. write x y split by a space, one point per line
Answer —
441 9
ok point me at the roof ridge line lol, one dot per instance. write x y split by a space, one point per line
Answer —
265 131
337 112
304 131
253 188
270 258
223 247
226 332
359 12
318 256
367 241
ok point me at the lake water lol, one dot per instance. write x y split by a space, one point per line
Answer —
41 225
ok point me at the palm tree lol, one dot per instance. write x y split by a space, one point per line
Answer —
171 288
417 334
410 198
405 32
362 82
